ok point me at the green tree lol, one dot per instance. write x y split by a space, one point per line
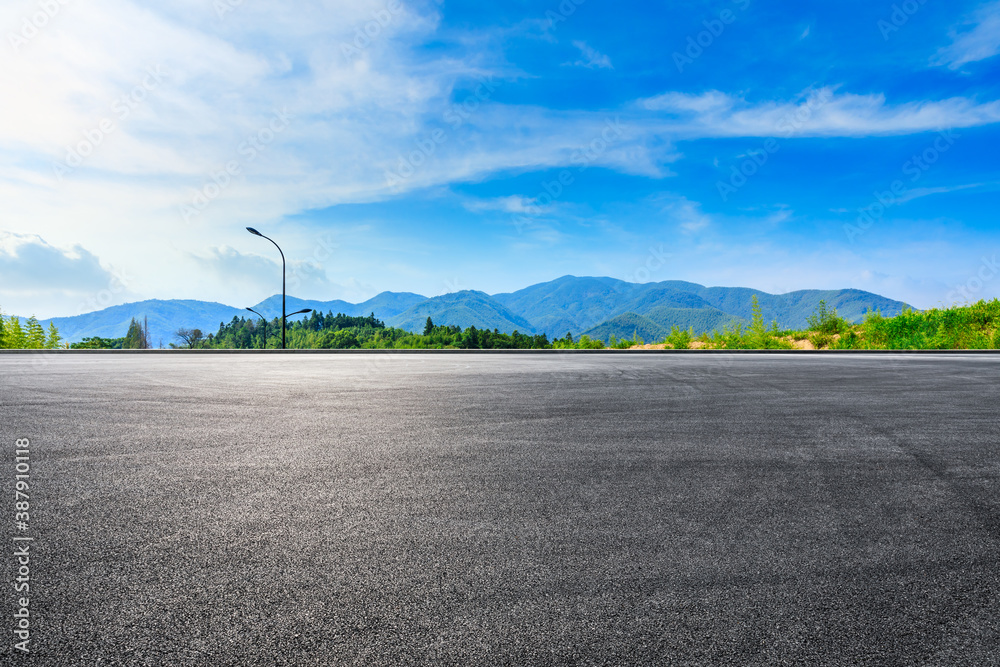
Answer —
429 327
35 334
342 339
14 337
137 337
827 321
758 333
98 343
54 339
680 340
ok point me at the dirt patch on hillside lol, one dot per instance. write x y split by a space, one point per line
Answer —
804 344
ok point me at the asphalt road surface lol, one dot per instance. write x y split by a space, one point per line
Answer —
505 509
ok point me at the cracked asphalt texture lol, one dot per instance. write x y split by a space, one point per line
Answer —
507 509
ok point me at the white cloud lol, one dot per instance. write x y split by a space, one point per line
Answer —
358 108
710 101
27 261
228 264
592 58
980 41
917 193
515 204
816 113
686 215
31 268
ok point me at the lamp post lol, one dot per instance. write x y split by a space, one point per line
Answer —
263 345
256 233
299 312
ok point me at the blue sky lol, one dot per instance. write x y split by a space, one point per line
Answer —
435 146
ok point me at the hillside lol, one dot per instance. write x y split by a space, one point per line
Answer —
627 327
384 305
792 310
568 304
165 317
463 309
580 305
657 322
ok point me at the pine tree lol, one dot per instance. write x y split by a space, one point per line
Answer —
760 336
35 334
54 339
14 334
133 339
428 327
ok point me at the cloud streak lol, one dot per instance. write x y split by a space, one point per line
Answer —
592 58
817 113
980 41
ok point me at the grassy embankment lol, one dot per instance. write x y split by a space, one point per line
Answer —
970 327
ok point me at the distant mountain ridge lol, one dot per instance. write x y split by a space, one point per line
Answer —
464 309
599 307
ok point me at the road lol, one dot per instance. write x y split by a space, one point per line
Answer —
506 509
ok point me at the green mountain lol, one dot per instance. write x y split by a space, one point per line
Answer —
699 319
656 323
385 305
580 305
596 306
165 317
569 304
464 309
628 326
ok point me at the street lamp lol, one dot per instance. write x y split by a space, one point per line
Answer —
299 312
263 345
256 233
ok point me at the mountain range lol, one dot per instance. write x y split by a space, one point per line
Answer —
598 307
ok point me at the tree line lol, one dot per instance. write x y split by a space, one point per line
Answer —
136 338
339 331
29 336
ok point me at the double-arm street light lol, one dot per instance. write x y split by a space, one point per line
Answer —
284 315
264 319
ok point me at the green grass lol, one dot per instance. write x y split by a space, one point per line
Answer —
971 327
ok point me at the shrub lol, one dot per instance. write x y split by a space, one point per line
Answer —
680 340
820 340
827 321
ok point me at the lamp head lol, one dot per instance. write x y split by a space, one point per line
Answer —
254 231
